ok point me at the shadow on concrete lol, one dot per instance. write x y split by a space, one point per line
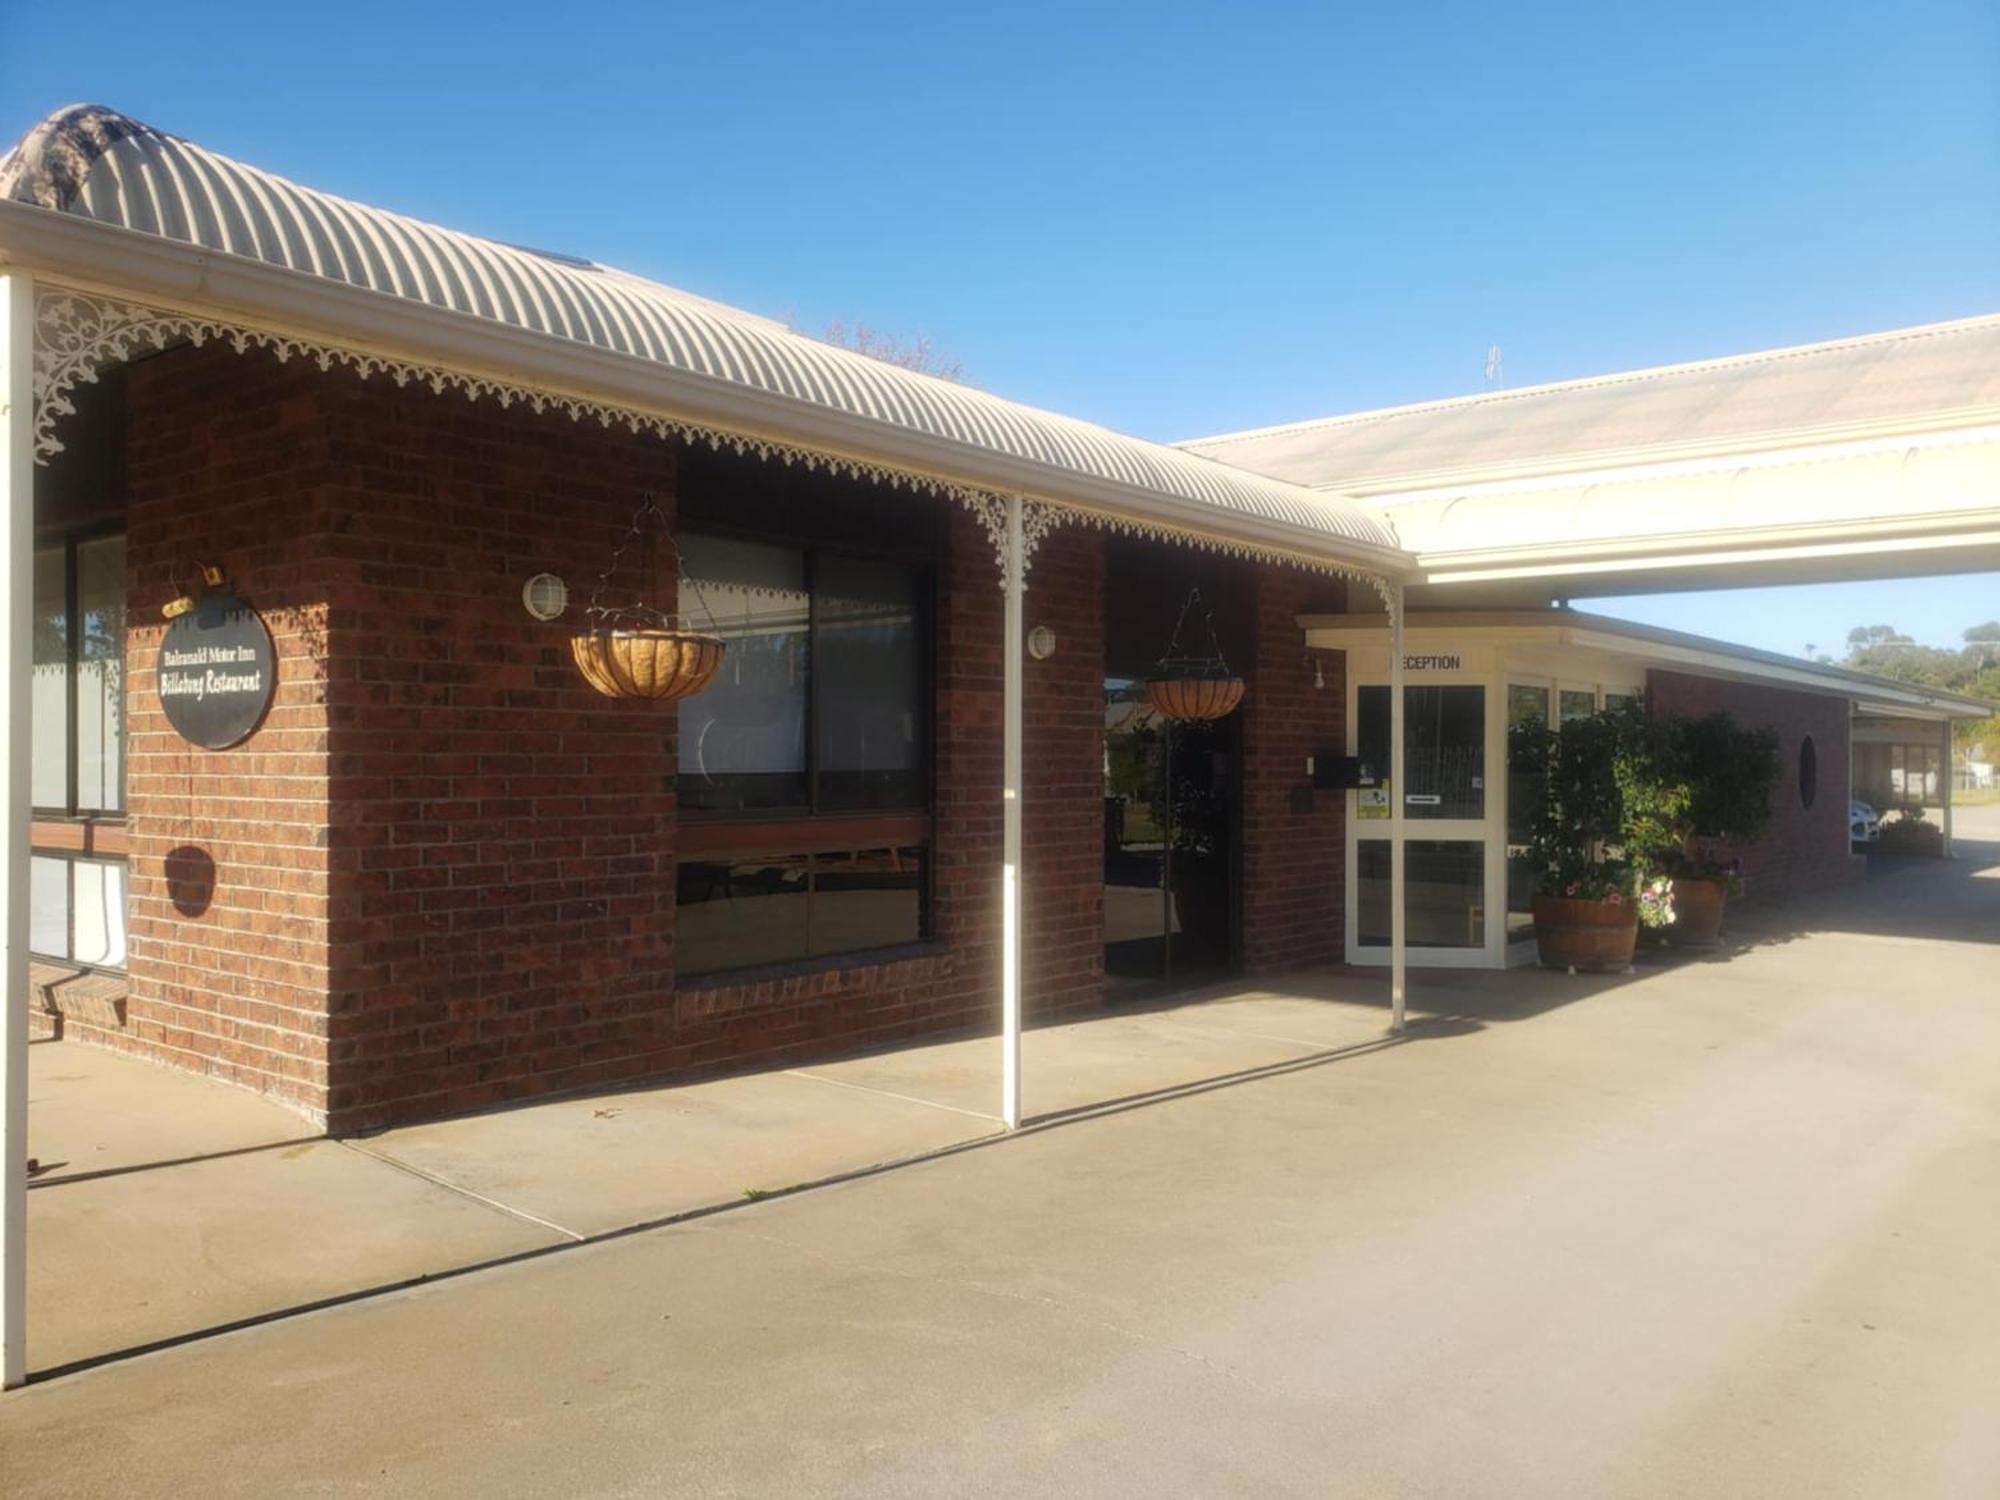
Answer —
1955 901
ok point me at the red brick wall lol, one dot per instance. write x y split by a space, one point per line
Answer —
502 837
228 465
1805 848
1293 836
1062 926
447 866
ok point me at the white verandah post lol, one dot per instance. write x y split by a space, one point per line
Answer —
1944 791
17 505
1398 909
1014 565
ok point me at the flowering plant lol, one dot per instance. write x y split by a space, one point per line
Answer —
1656 902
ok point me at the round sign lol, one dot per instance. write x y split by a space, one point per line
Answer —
217 672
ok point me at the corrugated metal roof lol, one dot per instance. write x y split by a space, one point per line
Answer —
95 163
1749 401
1867 483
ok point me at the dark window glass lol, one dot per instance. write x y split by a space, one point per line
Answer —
1527 708
1445 904
821 703
736 913
869 660
743 739
1444 748
1371 735
867 898
741 913
1578 703
1808 772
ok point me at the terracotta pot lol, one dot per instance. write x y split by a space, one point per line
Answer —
1594 937
663 665
1195 697
1698 907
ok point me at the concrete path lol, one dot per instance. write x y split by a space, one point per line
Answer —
166 1205
1727 1228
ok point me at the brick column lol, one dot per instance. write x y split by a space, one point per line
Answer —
1293 837
229 931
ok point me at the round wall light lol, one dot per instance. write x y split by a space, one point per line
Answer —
1041 643
545 596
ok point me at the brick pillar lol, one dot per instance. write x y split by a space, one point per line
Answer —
230 939
1293 837
1062 930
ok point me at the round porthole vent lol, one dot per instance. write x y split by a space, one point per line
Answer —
545 596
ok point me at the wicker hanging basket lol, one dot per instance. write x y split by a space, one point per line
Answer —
661 664
635 651
1194 688
1194 697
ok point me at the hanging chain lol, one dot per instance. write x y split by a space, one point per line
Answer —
1214 659
600 613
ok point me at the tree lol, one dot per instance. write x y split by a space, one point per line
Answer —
906 354
1875 635
1974 671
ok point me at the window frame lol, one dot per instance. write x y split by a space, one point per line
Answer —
926 571
73 834
703 834
70 540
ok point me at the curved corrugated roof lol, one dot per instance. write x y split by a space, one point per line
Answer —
1769 399
98 164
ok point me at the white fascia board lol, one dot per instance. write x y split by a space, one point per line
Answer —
1951 428
1955 530
121 262
1616 465
1655 648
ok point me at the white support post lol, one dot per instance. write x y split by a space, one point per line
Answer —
1944 791
1014 564
1398 906
17 506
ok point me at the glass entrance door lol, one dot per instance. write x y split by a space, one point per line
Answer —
1444 811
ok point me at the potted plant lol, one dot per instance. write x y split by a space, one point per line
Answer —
1910 833
1608 797
1730 771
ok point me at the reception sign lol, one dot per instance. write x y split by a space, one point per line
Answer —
217 672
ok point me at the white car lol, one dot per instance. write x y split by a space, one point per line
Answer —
1863 826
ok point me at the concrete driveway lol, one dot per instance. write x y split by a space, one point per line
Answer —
1727 1228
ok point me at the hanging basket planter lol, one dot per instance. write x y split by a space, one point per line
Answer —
636 651
663 664
1194 688
1194 692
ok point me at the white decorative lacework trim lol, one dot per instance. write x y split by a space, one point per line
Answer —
78 334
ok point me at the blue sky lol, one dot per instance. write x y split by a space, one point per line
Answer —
1174 219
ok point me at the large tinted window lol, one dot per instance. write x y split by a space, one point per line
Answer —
736 912
869 661
820 705
743 739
